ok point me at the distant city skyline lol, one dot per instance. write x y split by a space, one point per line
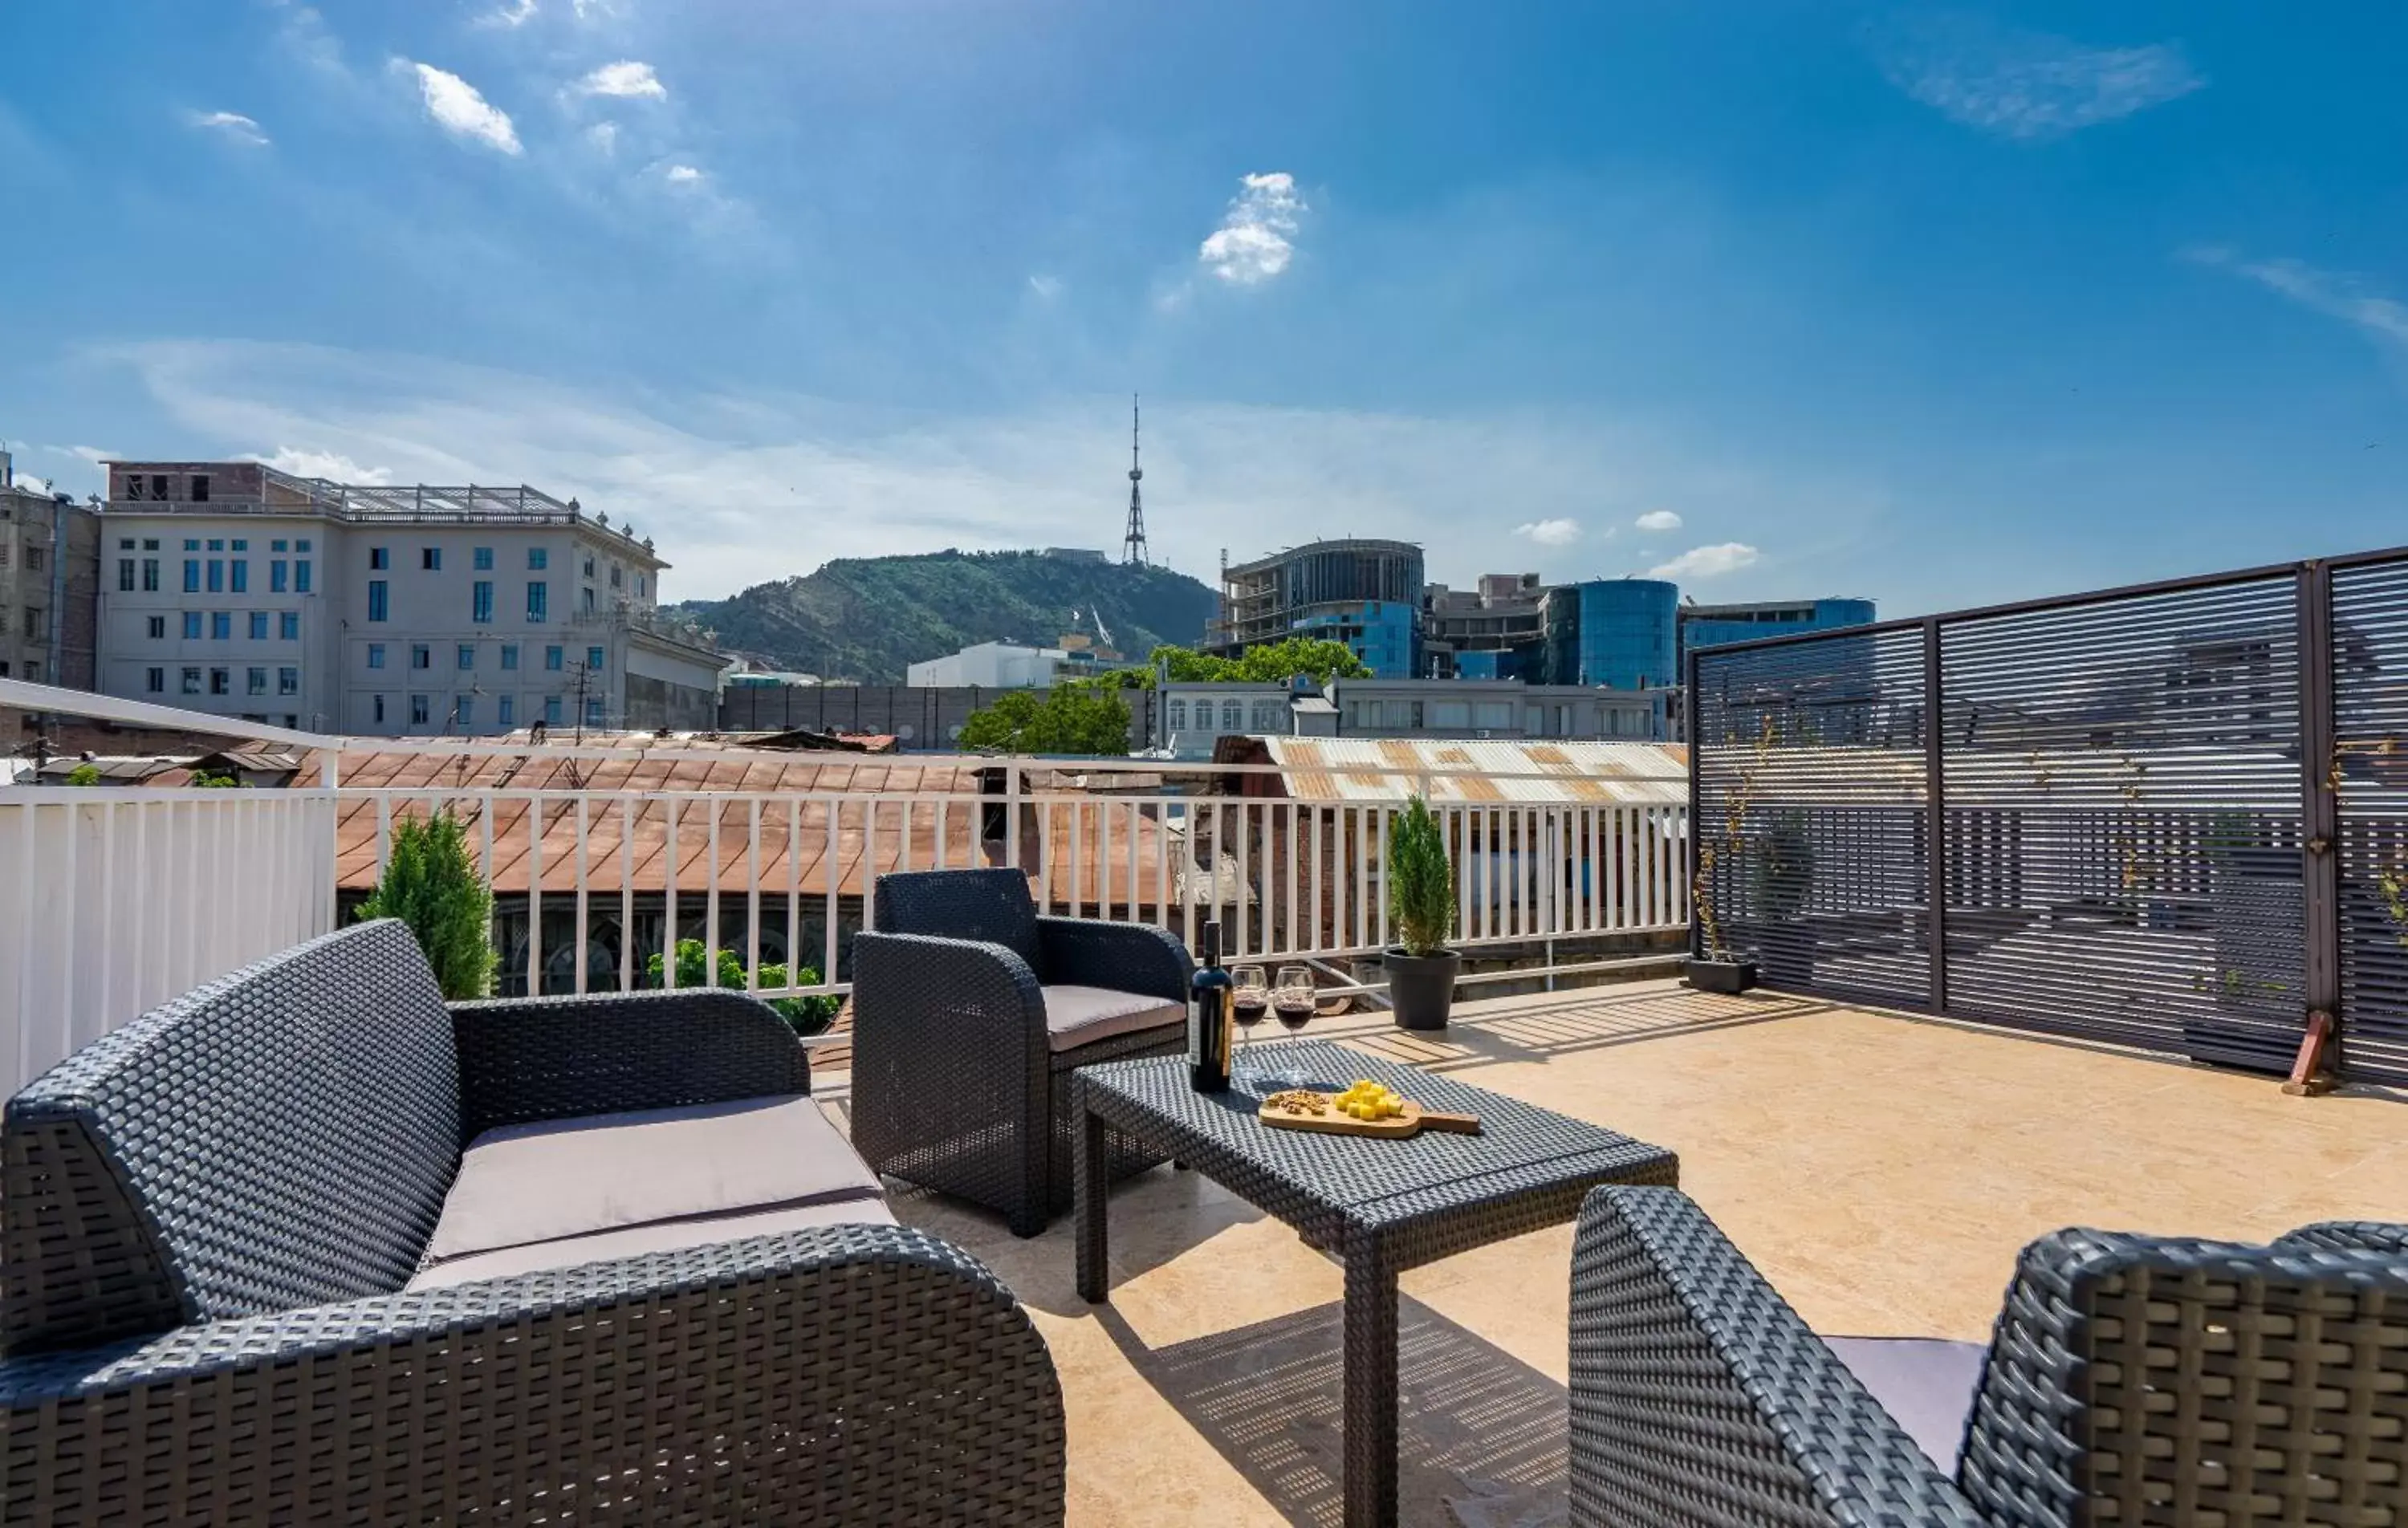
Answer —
1932 309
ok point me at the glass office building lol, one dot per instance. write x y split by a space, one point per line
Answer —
1704 625
1621 632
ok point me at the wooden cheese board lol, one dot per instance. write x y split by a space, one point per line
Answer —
1412 1121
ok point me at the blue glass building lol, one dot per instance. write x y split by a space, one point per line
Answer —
1622 633
1382 632
1704 625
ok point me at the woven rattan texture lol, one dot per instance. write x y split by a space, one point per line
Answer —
954 1085
2350 1237
553 1058
2139 1379
865 1375
282 1137
1701 1399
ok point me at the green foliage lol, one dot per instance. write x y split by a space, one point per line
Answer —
1070 720
84 774
867 619
1273 662
1420 883
430 883
807 1015
203 781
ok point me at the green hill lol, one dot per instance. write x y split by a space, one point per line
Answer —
866 619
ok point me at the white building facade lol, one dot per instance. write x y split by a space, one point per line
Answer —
994 665
231 588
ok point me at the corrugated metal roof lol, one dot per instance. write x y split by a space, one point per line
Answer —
1339 769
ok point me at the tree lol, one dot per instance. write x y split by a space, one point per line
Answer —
1070 720
430 883
84 774
1421 884
1273 662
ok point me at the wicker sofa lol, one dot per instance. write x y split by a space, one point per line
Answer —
309 1246
2131 1379
971 1015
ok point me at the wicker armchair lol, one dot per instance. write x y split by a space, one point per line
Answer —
211 1222
2131 1379
972 1014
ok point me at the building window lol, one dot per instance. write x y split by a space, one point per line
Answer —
1266 716
191 681
34 559
255 682
287 625
588 592
552 659
481 602
301 575
592 710
301 546
150 574
468 655
593 659
509 655
221 681
1176 716
216 544
288 681
430 559
617 574
278 576
154 680
151 544
33 626
506 710
464 710
191 574
33 671
192 546
125 575
376 707
126 545
640 585
259 625
157 485
375 598
551 711
420 655
238 546
380 559
538 559
483 558
239 576
1233 717
191 625
539 601
221 625
589 565
217 574
419 710
158 628
278 546
376 655
200 488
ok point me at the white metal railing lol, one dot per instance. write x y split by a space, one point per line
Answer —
112 901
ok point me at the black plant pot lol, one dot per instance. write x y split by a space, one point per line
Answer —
1732 976
1421 988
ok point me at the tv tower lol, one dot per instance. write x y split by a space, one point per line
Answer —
1133 544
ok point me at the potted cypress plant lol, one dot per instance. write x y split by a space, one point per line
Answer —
430 882
1421 904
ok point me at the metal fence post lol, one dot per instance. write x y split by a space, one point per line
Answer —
1011 812
1935 806
2319 816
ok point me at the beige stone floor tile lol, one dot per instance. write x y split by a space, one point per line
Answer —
1882 1171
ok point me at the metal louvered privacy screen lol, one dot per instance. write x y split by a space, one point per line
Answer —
2129 845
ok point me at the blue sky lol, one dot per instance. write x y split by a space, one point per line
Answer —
1934 307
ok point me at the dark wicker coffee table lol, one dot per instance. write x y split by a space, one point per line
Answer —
1380 1206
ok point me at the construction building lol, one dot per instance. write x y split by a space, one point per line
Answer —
48 568
1364 593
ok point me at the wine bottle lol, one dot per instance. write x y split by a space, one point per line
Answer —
1210 1021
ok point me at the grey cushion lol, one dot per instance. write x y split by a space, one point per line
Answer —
659 1236
1077 1016
540 1182
1925 1384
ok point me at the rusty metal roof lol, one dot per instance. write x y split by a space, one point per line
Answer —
1576 772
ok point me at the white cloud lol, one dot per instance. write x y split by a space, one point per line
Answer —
2332 294
517 13
92 454
603 136
1253 243
1658 520
1046 287
627 78
588 9
331 465
2028 85
682 174
458 110
1707 562
721 480
1550 533
231 125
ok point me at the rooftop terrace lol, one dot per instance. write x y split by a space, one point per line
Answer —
1881 1171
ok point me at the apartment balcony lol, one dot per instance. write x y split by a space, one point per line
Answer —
1880 1168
